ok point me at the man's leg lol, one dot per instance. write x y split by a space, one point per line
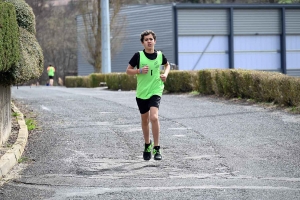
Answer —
51 82
145 127
156 132
146 132
155 124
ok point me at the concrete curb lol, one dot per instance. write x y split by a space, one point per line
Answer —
11 157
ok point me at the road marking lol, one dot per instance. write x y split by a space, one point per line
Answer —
181 128
45 108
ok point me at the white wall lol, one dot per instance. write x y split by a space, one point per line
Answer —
258 52
293 52
202 52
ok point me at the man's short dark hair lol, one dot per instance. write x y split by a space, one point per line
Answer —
147 32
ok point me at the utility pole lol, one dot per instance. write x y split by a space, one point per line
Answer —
105 37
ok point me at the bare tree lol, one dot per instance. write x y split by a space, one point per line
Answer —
56 33
91 38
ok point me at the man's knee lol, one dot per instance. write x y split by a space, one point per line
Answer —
154 118
145 119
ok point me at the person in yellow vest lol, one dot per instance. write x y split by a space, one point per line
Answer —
150 85
51 72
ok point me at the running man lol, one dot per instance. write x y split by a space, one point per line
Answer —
51 71
150 85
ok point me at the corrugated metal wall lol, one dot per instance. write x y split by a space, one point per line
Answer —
257 39
292 21
203 38
256 21
138 18
293 41
203 22
158 18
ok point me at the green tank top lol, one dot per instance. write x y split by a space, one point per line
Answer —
51 71
149 84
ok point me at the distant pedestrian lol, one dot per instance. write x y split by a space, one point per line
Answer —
150 86
51 72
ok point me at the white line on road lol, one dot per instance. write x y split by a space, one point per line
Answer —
45 108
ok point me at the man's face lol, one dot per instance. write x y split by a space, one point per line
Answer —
149 42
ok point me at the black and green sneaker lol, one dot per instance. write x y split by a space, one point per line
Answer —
156 153
147 151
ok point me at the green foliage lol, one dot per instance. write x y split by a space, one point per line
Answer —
23 159
116 81
9 41
28 56
180 81
96 79
250 84
258 86
77 81
31 63
31 124
127 82
9 77
15 114
25 15
205 82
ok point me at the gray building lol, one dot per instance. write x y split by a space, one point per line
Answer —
137 18
222 36
258 37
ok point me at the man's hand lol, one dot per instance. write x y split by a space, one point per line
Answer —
163 77
145 69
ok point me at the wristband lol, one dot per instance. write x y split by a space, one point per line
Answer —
141 71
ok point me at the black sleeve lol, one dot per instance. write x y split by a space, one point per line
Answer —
135 59
164 60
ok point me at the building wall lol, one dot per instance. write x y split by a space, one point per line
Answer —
202 39
261 37
293 41
137 18
5 113
196 36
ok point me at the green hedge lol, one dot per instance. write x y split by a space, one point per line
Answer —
249 84
9 38
30 64
25 15
114 81
181 81
77 81
96 79
122 81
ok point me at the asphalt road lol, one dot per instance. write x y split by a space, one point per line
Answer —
90 147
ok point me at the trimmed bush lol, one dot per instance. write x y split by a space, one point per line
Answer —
25 15
205 82
180 81
96 79
9 38
31 64
258 85
77 81
116 81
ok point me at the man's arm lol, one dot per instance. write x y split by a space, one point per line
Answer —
164 76
131 71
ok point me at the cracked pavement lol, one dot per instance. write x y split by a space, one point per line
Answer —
90 147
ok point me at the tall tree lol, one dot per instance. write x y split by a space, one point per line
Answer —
91 37
56 33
